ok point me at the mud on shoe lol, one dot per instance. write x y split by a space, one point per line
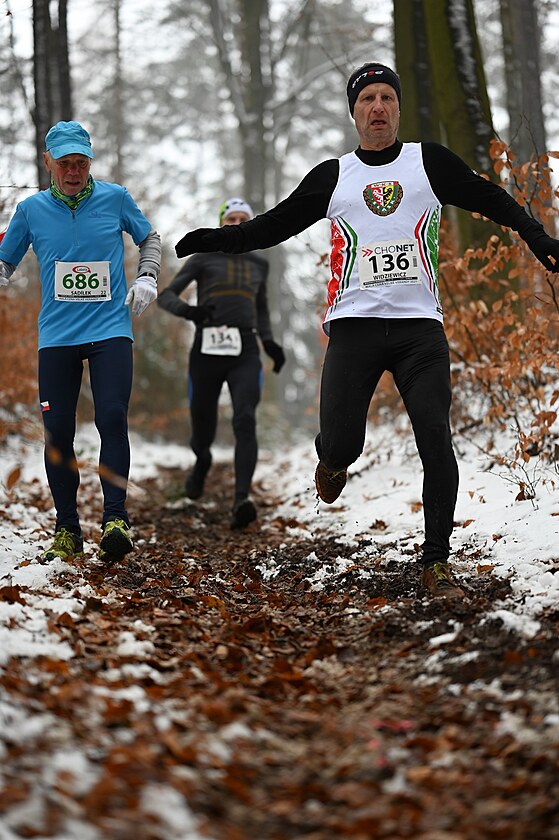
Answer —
437 579
116 540
244 512
65 545
329 483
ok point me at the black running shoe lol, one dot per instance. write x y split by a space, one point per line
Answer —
116 540
194 484
244 512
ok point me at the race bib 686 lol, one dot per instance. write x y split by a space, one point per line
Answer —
81 282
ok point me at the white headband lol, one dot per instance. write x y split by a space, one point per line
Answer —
235 205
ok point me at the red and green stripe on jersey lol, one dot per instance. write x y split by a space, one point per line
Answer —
343 254
427 234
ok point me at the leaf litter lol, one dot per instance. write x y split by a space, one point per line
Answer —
271 683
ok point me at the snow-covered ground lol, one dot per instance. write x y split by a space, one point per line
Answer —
519 540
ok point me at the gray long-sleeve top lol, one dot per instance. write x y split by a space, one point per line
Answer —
234 285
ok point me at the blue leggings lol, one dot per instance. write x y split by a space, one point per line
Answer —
60 377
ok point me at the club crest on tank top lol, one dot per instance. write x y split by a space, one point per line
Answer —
383 198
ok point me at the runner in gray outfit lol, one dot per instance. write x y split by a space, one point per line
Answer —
232 312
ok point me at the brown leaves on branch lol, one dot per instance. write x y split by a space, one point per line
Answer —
502 320
18 371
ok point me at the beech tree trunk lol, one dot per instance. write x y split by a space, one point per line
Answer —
461 92
62 91
419 118
51 76
118 120
521 47
43 106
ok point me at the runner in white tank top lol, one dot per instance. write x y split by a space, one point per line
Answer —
384 312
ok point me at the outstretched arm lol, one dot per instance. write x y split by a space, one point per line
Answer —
302 208
171 300
14 243
454 182
143 290
271 347
150 255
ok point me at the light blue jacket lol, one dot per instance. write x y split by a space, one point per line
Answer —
93 232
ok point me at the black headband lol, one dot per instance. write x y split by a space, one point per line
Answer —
370 74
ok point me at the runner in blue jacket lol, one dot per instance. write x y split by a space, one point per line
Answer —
75 229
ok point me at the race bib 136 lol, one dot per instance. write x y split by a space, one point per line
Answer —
389 263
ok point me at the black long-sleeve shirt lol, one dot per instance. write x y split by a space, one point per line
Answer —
451 179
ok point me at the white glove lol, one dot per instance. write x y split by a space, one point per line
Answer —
5 274
141 293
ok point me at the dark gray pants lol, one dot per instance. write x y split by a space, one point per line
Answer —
243 375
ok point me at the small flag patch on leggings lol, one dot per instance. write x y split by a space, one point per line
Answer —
45 406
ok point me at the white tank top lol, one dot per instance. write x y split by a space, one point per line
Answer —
385 240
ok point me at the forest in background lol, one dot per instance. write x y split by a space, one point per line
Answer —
291 680
188 103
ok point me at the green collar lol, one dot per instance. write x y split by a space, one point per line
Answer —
73 200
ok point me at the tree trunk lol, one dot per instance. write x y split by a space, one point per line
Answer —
60 73
117 171
43 110
461 91
459 79
521 46
252 126
420 114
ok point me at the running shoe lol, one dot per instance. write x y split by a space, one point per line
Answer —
116 540
244 512
329 483
65 545
437 578
194 484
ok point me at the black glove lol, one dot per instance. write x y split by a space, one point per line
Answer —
200 241
275 352
545 247
200 315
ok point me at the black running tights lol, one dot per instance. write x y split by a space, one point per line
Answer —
243 375
415 351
